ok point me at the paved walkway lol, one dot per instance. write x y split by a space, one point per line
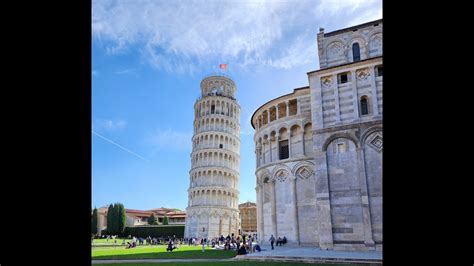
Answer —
285 253
312 254
316 252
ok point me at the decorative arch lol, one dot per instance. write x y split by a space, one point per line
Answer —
375 40
335 48
340 135
303 169
281 172
283 126
369 131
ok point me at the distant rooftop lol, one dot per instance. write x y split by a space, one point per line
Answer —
352 28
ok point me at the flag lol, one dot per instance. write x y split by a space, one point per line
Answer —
223 66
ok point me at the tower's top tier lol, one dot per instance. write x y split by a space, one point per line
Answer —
218 86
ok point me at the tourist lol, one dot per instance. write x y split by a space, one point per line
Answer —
257 248
279 241
203 243
242 250
170 246
272 240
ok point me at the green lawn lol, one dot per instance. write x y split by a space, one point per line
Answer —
223 263
159 252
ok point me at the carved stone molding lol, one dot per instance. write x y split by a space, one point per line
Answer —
363 74
376 142
326 81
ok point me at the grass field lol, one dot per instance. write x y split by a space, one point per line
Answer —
159 252
223 263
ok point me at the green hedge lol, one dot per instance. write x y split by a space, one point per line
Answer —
155 231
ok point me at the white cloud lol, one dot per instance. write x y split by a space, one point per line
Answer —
130 71
170 139
109 124
366 16
184 36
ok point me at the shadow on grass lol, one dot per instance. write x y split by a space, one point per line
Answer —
176 254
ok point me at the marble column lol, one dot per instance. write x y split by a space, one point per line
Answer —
324 222
368 237
296 228
373 87
298 106
355 97
302 143
336 97
274 209
261 233
277 140
289 145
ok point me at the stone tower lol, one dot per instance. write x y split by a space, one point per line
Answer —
213 193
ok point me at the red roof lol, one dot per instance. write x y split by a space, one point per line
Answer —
139 212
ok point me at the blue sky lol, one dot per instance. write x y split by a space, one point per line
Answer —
148 58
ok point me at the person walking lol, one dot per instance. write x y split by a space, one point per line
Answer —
272 240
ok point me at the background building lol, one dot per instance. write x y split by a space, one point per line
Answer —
319 168
248 217
214 176
139 217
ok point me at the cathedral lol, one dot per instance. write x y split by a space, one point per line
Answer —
319 149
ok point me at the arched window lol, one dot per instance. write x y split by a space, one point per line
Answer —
355 52
364 105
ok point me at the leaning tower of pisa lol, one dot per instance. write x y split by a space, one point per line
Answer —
213 194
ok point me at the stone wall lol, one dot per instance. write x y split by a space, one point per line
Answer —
335 48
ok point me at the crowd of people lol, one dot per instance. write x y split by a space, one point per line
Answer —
241 244
280 241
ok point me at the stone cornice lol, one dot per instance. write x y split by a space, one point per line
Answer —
306 158
215 132
217 116
332 69
200 188
354 125
235 154
212 168
214 97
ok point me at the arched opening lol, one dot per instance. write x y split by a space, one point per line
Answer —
364 105
355 52
293 106
272 114
283 144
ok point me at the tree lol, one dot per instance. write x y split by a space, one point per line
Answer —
114 228
165 220
94 221
121 218
110 214
152 220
